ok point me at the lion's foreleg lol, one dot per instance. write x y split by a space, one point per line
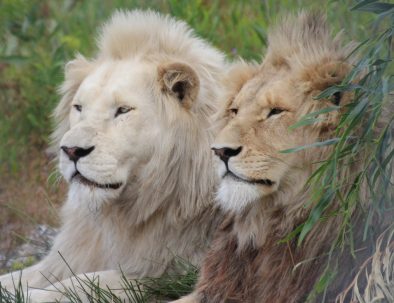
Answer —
105 284
17 279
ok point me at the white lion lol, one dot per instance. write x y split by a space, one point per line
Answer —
133 136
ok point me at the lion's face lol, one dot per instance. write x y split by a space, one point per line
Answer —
257 123
111 128
115 123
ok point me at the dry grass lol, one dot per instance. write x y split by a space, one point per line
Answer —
28 197
374 281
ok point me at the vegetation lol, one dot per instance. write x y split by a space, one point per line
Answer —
365 134
41 36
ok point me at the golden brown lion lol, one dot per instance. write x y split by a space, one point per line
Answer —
264 190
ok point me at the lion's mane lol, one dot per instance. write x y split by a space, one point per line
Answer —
166 210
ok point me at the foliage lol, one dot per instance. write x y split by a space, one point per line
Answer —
364 135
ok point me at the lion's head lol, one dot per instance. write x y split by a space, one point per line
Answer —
136 118
266 100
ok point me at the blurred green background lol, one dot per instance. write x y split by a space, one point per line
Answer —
38 37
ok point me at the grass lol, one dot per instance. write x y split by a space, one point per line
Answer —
41 36
168 287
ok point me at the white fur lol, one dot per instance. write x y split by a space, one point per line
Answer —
235 196
159 151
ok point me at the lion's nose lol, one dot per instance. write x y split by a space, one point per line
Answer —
226 153
75 153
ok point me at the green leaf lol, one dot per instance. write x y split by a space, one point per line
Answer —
312 118
325 280
377 8
293 234
305 122
327 93
14 59
380 62
261 34
362 4
316 144
316 214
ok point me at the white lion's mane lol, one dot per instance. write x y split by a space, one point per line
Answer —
168 210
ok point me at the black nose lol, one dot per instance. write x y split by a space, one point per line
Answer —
226 153
74 153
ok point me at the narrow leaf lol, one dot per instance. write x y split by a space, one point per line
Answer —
316 144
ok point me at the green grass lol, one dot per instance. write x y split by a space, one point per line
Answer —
41 36
168 287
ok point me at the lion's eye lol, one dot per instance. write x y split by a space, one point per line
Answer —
78 107
275 111
233 111
122 110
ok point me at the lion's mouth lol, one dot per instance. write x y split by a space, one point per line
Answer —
83 180
266 182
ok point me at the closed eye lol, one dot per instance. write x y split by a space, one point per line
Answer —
122 110
275 111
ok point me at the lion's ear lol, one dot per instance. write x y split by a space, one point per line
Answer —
180 81
319 77
77 68
326 76
238 74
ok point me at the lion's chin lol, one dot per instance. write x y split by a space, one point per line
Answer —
91 197
236 196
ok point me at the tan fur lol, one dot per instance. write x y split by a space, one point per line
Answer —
247 261
183 75
164 208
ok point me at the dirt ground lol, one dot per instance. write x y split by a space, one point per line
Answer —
29 200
